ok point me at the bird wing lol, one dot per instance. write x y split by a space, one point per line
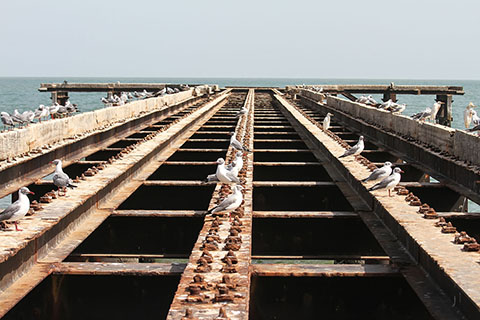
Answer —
236 144
61 179
225 203
383 184
10 211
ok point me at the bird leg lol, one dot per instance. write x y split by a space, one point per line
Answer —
389 193
16 226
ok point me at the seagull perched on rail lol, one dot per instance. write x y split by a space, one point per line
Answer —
241 112
421 116
380 173
389 182
230 203
435 109
224 175
60 178
236 144
326 121
470 115
355 150
18 209
7 120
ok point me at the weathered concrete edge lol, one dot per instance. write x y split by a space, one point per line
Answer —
19 141
458 143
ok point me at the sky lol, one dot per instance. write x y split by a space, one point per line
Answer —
378 39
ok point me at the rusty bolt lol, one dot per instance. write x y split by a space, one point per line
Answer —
449 228
430 214
441 222
423 208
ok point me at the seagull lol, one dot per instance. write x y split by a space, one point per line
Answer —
468 114
60 178
223 175
387 104
18 117
435 108
241 112
18 209
380 173
362 99
231 202
389 182
326 121
236 144
53 109
356 149
421 116
41 112
238 163
398 108
7 120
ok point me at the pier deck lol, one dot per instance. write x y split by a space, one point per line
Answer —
308 240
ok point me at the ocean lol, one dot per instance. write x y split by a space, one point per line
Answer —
22 93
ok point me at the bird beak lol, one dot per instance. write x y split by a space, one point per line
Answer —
31 192
401 171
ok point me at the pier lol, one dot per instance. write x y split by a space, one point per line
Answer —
309 240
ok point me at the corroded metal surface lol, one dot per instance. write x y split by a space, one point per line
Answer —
215 293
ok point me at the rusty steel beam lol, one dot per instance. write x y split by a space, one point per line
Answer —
304 214
158 213
324 257
208 302
311 270
104 87
118 269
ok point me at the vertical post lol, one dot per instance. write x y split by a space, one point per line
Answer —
444 115
62 97
387 95
54 97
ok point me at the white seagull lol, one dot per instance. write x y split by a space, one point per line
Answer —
60 178
7 120
236 144
435 109
380 173
223 175
326 121
18 209
389 182
231 202
421 116
241 112
468 114
355 150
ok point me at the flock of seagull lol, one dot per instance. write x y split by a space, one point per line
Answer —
124 97
41 113
228 174
224 174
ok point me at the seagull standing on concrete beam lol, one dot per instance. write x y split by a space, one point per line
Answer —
389 182
18 209
355 150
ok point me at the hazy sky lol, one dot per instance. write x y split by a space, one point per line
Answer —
421 39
